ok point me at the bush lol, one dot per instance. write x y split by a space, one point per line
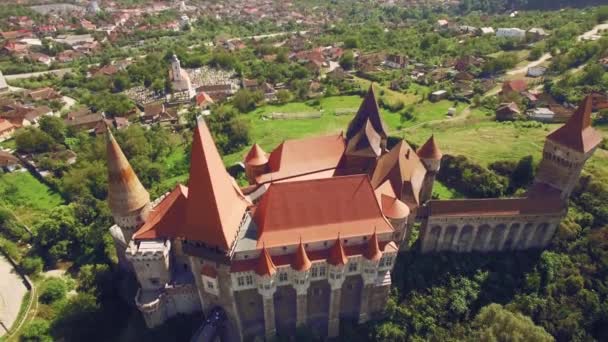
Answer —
36 331
54 290
31 265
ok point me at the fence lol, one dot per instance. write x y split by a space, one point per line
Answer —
286 116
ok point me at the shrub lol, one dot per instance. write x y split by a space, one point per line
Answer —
36 331
54 289
32 265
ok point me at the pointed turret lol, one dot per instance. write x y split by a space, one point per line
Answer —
256 156
265 266
128 199
337 256
368 111
373 252
393 208
577 133
215 205
430 150
301 262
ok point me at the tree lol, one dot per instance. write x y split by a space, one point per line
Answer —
495 323
523 174
351 42
36 331
31 265
54 289
347 61
53 126
33 140
284 96
245 100
390 331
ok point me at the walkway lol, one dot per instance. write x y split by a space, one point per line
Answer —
12 291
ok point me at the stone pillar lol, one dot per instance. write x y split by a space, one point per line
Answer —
440 239
302 307
507 231
364 314
334 312
548 234
488 238
456 239
474 232
530 238
269 320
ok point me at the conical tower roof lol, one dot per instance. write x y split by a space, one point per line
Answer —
337 256
215 205
256 156
301 262
368 111
125 192
577 133
265 266
373 252
393 208
430 150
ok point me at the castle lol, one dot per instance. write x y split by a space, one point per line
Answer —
313 239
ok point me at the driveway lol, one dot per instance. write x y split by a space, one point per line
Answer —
12 291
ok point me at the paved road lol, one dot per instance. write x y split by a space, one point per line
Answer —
58 72
12 291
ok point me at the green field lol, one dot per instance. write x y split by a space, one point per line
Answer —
26 197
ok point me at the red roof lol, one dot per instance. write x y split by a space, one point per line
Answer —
577 133
430 150
496 207
166 219
215 204
265 266
515 85
301 262
303 156
394 208
256 156
372 252
318 210
203 99
337 256
209 271
5 126
368 111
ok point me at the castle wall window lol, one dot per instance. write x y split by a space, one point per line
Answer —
240 281
283 276
322 271
249 280
314 272
352 267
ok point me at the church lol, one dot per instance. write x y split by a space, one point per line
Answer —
312 240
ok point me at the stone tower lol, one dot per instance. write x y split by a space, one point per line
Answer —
430 155
366 136
176 68
567 149
256 163
128 199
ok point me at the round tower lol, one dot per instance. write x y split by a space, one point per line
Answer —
397 213
430 155
256 163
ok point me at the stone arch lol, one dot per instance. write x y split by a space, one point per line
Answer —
318 306
433 238
249 304
539 235
524 235
480 239
498 234
511 236
464 240
448 238
350 300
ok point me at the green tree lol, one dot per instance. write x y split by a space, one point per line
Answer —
33 140
347 61
31 265
54 289
495 323
53 126
36 331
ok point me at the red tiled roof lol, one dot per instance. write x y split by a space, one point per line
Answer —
318 210
430 150
402 167
256 156
209 271
265 266
394 208
515 85
337 256
301 262
166 219
372 252
303 156
5 125
496 207
577 133
215 205
368 111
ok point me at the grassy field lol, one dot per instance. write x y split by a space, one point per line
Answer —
26 197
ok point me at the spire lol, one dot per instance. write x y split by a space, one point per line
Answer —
215 203
372 252
337 256
125 192
256 156
430 150
301 262
368 111
393 208
265 266
577 133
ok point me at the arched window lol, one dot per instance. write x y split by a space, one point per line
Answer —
481 237
511 236
465 238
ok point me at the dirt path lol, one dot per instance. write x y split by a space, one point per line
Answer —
524 69
12 291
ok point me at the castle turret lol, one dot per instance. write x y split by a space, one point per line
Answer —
301 266
430 155
256 163
176 68
567 149
266 274
128 199
366 136
397 213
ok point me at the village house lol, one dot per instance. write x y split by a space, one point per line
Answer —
514 86
541 114
43 94
83 119
395 61
513 33
203 100
438 95
536 71
8 162
507 112
3 85
536 34
158 113
6 129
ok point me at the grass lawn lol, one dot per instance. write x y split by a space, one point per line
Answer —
26 196
443 192
8 144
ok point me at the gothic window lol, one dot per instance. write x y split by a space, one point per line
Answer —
283 276
209 285
249 280
240 281
352 267
322 271
314 272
